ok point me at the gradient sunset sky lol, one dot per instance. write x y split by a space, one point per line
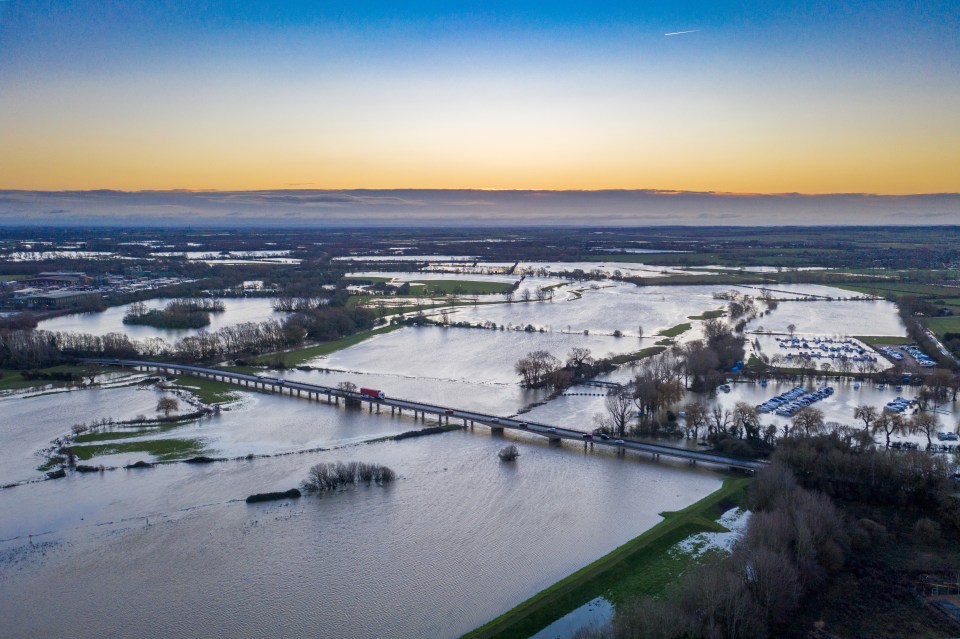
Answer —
761 97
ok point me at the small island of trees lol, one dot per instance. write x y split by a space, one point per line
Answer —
181 313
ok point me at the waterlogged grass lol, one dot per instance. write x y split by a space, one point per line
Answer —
883 340
707 315
162 449
302 355
127 433
209 391
446 287
463 287
13 380
642 566
675 330
643 353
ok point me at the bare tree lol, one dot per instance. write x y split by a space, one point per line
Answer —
696 417
867 414
889 424
167 405
578 356
619 407
720 419
810 420
746 419
924 422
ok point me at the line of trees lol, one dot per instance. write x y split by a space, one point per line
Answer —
797 539
31 349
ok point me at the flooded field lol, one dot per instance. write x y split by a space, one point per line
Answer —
250 309
460 538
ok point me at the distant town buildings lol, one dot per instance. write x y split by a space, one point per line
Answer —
70 289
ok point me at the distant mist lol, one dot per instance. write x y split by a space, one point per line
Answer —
451 208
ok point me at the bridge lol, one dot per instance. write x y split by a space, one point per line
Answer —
420 410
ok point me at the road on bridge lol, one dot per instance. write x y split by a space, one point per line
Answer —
493 421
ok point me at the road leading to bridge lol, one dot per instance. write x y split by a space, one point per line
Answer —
315 391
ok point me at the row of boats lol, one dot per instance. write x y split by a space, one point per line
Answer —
897 405
788 403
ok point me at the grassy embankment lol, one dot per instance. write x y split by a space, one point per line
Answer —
299 356
675 330
707 315
641 566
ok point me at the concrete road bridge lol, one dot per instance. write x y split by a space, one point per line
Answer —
420 410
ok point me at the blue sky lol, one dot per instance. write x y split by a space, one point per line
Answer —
761 97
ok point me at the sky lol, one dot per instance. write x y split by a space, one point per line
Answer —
756 97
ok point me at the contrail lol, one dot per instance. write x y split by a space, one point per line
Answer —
681 32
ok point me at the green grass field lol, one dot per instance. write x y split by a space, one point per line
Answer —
638 355
446 287
675 330
209 391
303 355
127 433
642 566
161 449
943 325
883 340
707 315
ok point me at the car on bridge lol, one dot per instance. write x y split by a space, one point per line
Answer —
587 436
523 425
551 430
495 420
448 411
619 441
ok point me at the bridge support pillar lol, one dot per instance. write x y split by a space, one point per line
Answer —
378 409
392 410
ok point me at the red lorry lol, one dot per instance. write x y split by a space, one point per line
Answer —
372 393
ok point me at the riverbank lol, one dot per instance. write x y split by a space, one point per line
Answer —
299 356
641 566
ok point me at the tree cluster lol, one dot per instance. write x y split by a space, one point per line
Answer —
795 539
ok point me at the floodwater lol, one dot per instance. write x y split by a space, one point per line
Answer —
604 308
837 318
28 423
459 538
238 310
